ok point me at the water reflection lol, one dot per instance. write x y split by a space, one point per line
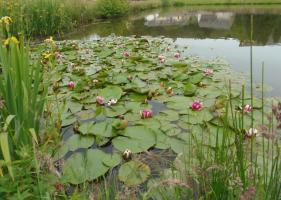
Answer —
210 33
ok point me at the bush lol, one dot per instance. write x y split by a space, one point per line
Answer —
111 8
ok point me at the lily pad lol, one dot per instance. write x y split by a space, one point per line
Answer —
134 173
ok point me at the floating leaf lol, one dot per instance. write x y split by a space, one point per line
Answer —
134 173
111 92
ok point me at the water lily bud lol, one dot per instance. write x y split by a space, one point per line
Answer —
76 126
251 133
121 117
100 100
200 84
130 77
169 90
146 113
196 105
208 72
177 55
120 124
248 108
127 154
71 85
126 54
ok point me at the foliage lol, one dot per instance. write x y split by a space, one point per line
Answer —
111 8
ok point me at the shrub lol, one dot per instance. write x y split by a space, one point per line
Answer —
111 8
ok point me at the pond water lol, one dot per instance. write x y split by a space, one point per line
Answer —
209 32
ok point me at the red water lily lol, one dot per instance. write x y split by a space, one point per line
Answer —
197 105
71 85
126 54
146 113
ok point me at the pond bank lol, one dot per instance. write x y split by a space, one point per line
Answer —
46 17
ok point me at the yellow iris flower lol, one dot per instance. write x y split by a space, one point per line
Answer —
6 20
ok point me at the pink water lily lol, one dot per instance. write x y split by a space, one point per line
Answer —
197 105
126 54
251 133
71 85
146 113
100 100
177 55
248 108
162 58
208 72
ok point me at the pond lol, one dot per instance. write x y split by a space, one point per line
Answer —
210 32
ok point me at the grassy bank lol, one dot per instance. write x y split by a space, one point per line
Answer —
49 17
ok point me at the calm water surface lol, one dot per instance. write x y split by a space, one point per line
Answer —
210 32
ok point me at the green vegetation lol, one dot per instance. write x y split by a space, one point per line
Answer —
130 118
49 17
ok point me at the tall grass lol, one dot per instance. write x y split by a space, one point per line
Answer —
22 93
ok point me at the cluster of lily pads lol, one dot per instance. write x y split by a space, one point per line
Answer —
127 95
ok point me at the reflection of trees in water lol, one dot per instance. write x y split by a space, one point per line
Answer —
267 29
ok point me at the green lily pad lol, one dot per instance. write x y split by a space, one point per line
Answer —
134 173
111 92
136 138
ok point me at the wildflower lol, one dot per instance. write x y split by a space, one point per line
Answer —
6 20
100 100
146 113
46 55
127 154
126 54
177 55
71 85
112 102
162 58
251 132
169 90
196 105
208 72
248 108
49 40
11 40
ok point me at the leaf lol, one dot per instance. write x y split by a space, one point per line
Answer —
75 142
4 143
134 173
189 89
136 138
111 92
88 166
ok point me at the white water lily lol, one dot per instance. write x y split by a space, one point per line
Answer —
112 102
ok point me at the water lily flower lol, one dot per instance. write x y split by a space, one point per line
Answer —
248 108
58 55
177 55
197 105
126 54
100 100
162 58
112 102
71 85
208 72
146 113
251 132
95 81
6 20
127 154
